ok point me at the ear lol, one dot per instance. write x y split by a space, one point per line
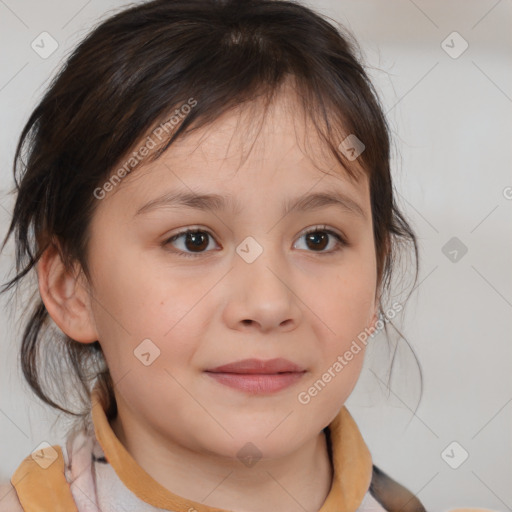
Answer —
373 320
374 313
378 289
66 297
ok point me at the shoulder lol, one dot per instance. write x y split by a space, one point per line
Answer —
38 483
392 495
9 499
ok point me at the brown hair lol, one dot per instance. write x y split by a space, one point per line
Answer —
124 78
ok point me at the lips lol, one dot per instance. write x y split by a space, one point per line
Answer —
257 376
259 366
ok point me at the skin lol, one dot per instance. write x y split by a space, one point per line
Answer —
9 501
296 301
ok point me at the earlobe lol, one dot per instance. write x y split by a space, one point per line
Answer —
375 314
66 299
373 321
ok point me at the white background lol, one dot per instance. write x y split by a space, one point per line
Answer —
452 126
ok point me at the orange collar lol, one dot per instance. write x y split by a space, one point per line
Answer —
351 462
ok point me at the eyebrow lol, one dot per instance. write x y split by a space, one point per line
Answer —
216 202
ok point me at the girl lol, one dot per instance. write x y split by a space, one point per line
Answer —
205 196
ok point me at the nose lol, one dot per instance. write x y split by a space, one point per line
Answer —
261 295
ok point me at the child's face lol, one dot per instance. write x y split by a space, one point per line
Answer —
304 299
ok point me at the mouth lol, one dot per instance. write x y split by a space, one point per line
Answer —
256 376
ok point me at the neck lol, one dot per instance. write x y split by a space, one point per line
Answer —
301 479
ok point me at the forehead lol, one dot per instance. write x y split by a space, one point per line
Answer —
279 146
281 130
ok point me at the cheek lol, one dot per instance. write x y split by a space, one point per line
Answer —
133 302
352 303
346 307
345 312
349 301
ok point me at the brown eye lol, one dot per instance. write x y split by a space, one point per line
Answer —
317 239
194 242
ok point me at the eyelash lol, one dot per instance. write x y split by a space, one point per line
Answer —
341 241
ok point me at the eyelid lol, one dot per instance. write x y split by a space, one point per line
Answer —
341 239
327 229
190 229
